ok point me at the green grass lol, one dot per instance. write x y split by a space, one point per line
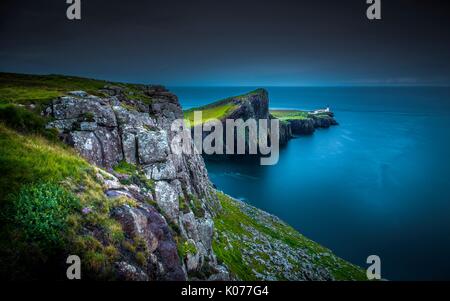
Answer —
209 113
286 115
25 121
38 89
219 109
25 159
125 168
41 211
43 188
232 226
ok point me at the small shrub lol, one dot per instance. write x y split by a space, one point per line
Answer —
125 168
196 207
184 247
182 205
141 259
41 212
89 117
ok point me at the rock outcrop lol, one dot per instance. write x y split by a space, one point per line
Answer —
255 105
115 128
308 126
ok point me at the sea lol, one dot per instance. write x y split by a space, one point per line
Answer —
377 184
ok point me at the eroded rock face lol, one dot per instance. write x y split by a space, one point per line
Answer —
145 222
302 126
107 130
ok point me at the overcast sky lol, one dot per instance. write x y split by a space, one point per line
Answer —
232 42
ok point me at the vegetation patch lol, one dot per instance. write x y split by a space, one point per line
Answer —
41 211
209 113
286 115
52 204
125 168
196 207
247 239
25 121
41 89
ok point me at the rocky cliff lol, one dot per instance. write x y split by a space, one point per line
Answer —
114 129
307 125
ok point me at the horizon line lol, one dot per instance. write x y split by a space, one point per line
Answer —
344 85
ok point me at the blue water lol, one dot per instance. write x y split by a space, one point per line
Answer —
379 183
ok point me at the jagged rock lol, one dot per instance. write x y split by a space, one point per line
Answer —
152 146
87 145
102 146
88 126
190 225
324 121
90 108
63 124
161 171
133 119
221 274
78 93
146 223
302 126
110 144
205 231
118 193
128 272
167 198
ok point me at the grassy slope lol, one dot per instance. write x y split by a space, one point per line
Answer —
289 114
37 89
210 113
29 161
233 236
216 110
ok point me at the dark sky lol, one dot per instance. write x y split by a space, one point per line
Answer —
245 42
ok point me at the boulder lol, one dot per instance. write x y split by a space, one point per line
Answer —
145 222
161 170
152 146
167 197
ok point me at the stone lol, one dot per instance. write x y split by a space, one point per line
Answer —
167 198
78 93
161 171
87 144
152 146
128 272
144 221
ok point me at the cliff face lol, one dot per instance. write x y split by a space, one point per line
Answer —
255 105
308 125
115 130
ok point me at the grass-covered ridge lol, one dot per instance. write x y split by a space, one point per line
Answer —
209 113
286 115
219 109
38 89
250 242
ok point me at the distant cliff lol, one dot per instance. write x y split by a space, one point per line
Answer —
303 122
256 105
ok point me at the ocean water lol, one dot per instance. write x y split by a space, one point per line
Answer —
379 183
